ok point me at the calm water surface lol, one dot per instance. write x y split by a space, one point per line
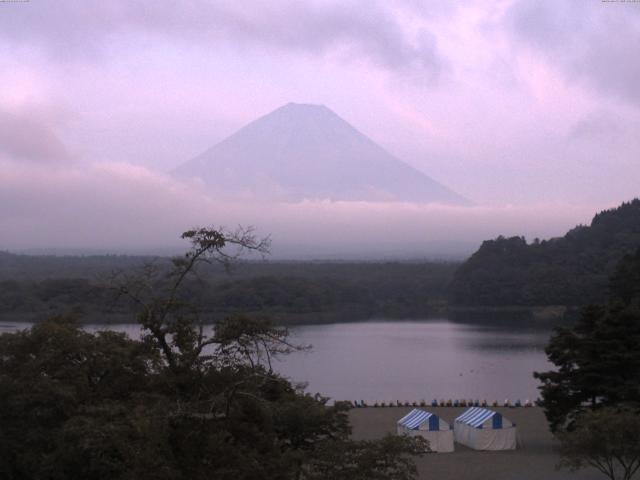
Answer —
407 361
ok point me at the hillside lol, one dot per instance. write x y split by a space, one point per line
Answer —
308 152
571 270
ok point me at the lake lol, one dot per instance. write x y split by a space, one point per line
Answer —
409 360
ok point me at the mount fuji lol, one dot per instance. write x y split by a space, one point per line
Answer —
302 151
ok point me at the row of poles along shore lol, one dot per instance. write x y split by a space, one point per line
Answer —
445 403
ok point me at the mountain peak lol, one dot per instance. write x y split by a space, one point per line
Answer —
306 151
301 111
302 107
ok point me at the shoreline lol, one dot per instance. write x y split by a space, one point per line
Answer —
506 316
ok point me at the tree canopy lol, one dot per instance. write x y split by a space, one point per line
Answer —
598 359
183 402
571 270
607 440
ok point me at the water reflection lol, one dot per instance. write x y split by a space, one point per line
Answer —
418 360
384 361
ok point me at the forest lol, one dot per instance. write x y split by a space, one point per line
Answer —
290 292
571 270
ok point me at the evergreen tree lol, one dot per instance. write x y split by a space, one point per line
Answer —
597 360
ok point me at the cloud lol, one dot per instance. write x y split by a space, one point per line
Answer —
591 41
27 135
118 206
70 29
601 125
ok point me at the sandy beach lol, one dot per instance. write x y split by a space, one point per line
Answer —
535 458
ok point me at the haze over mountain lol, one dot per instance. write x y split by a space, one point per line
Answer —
302 151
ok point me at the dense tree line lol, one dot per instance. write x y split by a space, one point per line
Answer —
571 270
40 267
291 292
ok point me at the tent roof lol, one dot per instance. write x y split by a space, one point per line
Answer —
415 418
476 416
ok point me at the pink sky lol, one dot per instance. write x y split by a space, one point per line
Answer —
532 106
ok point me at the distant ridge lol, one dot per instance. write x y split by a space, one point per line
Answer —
302 151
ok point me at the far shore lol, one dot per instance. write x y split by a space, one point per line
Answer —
501 315
536 313
535 459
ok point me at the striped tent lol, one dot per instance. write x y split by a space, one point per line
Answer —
483 429
428 426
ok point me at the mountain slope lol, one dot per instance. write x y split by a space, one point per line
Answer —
571 270
308 152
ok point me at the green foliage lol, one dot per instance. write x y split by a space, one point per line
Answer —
571 270
606 439
597 360
291 292
625 281
367 460
56 379
184 402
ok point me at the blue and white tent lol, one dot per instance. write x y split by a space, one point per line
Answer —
483 429
428 426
